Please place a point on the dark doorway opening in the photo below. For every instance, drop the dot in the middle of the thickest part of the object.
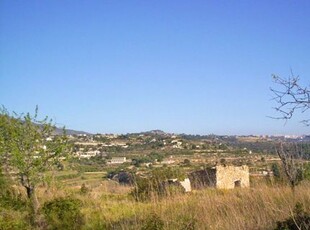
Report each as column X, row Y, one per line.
column 237, row 183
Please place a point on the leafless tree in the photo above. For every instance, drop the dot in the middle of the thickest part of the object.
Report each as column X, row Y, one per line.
column 291, row 97
column 291, row 156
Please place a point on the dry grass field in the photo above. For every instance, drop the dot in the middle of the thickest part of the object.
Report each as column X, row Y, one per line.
column 110, row 206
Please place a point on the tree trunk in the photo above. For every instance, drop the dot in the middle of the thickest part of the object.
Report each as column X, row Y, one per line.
column 34, row 203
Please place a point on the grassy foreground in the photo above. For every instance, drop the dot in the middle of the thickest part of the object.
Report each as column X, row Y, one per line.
column 109, row 206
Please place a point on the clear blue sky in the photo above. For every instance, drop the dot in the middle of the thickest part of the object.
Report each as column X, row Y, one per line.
column 195, row 67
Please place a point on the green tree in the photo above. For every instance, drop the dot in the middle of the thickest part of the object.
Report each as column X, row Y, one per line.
column 28, row 148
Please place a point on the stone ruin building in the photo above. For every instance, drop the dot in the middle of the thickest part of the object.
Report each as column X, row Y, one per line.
column 221, row 177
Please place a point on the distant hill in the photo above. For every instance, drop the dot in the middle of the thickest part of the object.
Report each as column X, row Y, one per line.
column 70, row 131
column 156, row 132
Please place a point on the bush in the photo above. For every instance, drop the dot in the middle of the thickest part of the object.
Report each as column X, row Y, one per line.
column 187, row 162
column 299, row 221
column 306, row 173
column 10, row 197
column 278, row 173
column 63, row 213
column 10, row 219
column 84, row 189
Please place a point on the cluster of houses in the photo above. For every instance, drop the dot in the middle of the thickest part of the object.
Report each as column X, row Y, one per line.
column 91, row 149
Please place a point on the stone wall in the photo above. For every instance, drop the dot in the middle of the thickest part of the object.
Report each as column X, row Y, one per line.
column 203, row 178
column 229, row 177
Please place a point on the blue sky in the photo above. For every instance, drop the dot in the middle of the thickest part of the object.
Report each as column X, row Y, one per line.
column 195, row 67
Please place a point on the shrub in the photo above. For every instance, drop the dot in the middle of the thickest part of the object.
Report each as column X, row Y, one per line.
column 10, row 219
column 9, row 196
column 63, row 213
column 187, row 162
column 12, row 199
column 306, row 173
column 278, row 173
column 299, row 221
column 84, row 189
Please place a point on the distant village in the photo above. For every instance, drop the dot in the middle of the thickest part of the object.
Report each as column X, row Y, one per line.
column 91, row 145
column 216, row 161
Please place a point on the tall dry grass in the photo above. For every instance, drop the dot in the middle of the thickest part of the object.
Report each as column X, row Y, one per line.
column 109, row 206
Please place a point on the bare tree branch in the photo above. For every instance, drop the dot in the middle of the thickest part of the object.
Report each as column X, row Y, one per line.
column 291, row 97
column 291, row 155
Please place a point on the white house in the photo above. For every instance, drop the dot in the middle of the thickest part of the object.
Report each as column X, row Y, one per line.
column 118, row 160
column 89, row 154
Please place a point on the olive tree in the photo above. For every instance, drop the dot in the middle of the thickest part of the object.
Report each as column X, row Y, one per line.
column 29, row 148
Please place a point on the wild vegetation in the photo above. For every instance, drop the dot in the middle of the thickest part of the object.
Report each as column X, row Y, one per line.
column 110, row 206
